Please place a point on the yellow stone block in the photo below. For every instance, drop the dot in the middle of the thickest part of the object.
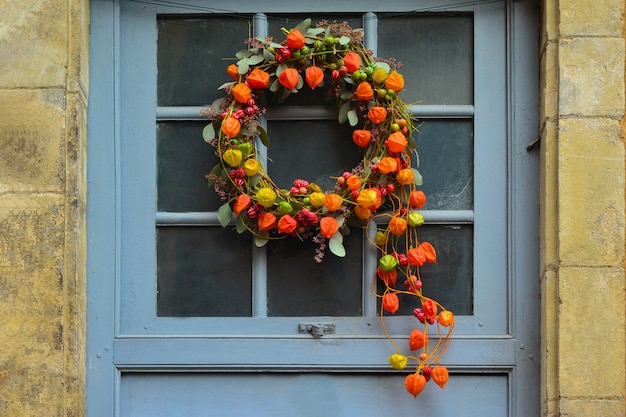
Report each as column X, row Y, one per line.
column 33, row 38
column 591, row 77
column 32, row 127
column 548, row 191
column 587, row 408
column 549, row 82
column 591, row 350
column 591, row 17
column 591, row 192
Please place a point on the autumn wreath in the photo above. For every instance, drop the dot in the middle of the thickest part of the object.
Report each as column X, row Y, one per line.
column 381, row 190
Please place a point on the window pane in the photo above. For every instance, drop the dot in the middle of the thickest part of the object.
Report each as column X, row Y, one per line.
column 203, row 271
column 184, row 160
column 450, row 280
column 438, row 52
column 446, row 162
column 311, row 150
column 191, row 57
column 299, row 286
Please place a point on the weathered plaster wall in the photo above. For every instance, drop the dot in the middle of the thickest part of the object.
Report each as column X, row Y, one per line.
column 582, row 199
column 43, row 96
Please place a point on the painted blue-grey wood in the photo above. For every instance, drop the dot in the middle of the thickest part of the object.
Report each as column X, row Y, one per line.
column 121, row 317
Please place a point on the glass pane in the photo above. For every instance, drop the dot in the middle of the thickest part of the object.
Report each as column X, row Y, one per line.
column 184, row 160
column 450, row 281
column 446, row 162
column 437, row 53
column 312, row 150
column 298, row 286
column 191, row 57
column 203, row 272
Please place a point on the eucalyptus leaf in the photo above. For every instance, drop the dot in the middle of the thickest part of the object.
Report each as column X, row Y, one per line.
column 244, row 53
column 255, row 59
column 343, row 112
column 208, row 133
column 275, row 86
column 384, row 66
column 345, row 95
column 254, row 180
column 349, row 80
column 417, row 177
column 353, row 118
column 221, row 87
column 243, row 66
column 335, row 244
column 300, row 82
column 224, row 214
column 240, row 226
column 268, row 56
column 344, row 40
column 315, row 31
column 304, row 26
column 265, row 139
column 260, row 241
column 275, row 45
column 280, row 68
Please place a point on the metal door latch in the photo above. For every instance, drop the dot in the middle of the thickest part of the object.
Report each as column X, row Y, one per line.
column 317, row 329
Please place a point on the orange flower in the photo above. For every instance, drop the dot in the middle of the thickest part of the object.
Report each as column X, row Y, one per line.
column 352, row 61
column 394, row 81
column 242, row 93
column 362, row 137
column 387, row 164
column 241, row 203
column 430, row 309
column 416, row 256
column 362, row 212
column 414, row 384
column 364, row 91
column 389, row 278
column 354, row 182
column 417, row 199
column 333, row 202
column 258, row 78
column 429, row 251
column 417, row 339
column 440, row 375
column 295, row 39
column 446, row 318
column 287, row 224
column 231, row 127
column 396, row 142
column 314, row 76
column 379, row 197
column 377, row 114
column 266, row 221
column 405, row 176
column 233, row 71
column 367, row 198
column 397, row 226
column 289, row 78
column 328, row 226
column 391, row 303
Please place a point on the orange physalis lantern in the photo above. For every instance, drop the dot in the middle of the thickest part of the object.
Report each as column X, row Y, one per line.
column 396, row 142
column 416, row 256
column 231, row 127
column 266, row 221
column 391, row 302
column 417, row 199
column 352, row 61
column 395, row 81
column 387, row 164
column 388, row 277
column 333, row 202
column 364, row 91
column 430, row 309
column 328, row 226
column 367, row 198
column 417, row 339
column 295, row 39
column 429, row 251
column 397, row 226
column 414, row 384
column 405, row 176
column 242, row 93
column 314, row 76
column 440, row 375
column 287, row 224
column 258, row 78
column 241, row 203
column 362, row 212
column 377, row 114
column 233, row 71
column 446, row 318
column 362, row 137
column 354, row 182
column 289, row 78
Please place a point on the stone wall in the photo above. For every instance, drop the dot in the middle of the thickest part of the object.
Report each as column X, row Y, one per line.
column 43, row 97
column 582, row 200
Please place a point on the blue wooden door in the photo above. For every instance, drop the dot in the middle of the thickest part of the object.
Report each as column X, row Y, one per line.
column 188, row 319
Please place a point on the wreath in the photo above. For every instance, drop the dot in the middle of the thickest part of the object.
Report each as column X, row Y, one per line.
column 380, row 190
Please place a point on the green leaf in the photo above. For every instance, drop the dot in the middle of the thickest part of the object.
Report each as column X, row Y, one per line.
column 304, row 26
column 217, row 169
column 353, row 118
column 345, row 95
column 335, row 244
column 275, row 45
column 417, row 177
column 344, row 40
column 239, row 224
column 261, row 240
column 256, row 59
column 300, row 82
column 315, row 31
column 268, row 56
column 254, row 180
column 208, row 133
column 275, row 86
column 224, row 214
column 343, row 112
column 244, row 53
column 221, row 87
column 384, row 66
column 243, row 66
column 265, row 140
